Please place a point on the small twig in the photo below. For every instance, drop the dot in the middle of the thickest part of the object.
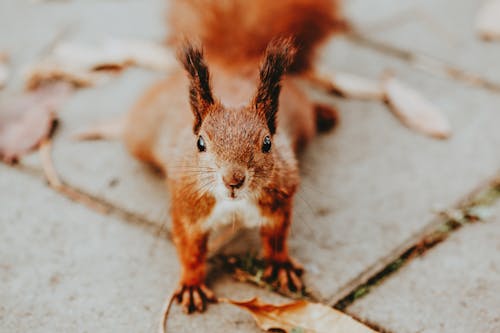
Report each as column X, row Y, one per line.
column 165, row 312
column 56, row 183
column 48, row 165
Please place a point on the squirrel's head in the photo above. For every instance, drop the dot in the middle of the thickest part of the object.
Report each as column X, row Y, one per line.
column 235, row 145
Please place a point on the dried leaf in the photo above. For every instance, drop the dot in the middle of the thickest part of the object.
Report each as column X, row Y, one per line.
column 300, row 316
column 488, row 20
column 145, row 54
column 27, row 119
column 346, row 84
column 353, row 86
column 105, row 130
column 49, row 71
column 414, row 110
column 83, row 65
column 4, row 70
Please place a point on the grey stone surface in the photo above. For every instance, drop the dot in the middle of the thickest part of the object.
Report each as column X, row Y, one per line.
column 104, row 168
column 371, row 185
column 453, row 288
column 91, row 166
column 29, row 27
column 443, row 29
column 368, row 187
column 64, row 268
column 223, row 317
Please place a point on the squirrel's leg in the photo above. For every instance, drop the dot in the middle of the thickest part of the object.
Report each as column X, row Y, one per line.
column 191, row 243
column 281, row 268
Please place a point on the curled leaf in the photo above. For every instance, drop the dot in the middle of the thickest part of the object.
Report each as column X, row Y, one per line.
column 300, row 316
column 488, row 20
column 28, row 119
column 414, row 110
column 353, row 86
column 84, row 65
column 106, row 130
column 347, row 85
column 49, row 71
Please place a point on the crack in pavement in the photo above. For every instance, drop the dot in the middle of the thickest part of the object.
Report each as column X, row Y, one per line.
column 100, row 205
column 425, row 63
column 467, row 212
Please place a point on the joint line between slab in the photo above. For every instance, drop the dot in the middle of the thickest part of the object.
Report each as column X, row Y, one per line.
column 435, row 233
column 102, row 206
column 425, row 63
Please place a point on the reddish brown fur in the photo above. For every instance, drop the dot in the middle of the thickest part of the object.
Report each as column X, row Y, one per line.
column 236, row 32
column 233, row 108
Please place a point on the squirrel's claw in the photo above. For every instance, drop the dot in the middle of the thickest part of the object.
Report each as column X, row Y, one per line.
column 285, row 275
column 194, row 298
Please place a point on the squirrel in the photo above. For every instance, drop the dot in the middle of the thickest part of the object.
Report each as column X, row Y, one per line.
column 226, row 127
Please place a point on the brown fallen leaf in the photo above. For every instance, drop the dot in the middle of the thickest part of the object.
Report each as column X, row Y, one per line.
column 48, row 71
column 4, row 70
column 414, row 110
column 145, row 54
column 488, row 20
column 27, row 119
column 294, row 317
column 84, row 65
column 300, row 316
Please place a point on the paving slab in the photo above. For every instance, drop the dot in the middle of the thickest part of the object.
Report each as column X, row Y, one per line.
column 452, row 288
column 105, row 168
column 37, row 24
column 223, row 317
column 64, row 268
column 443, row 29
column 91, row 22
column 372, row 185
column 368, row 187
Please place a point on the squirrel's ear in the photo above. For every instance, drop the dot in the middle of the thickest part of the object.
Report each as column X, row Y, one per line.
column 278, row 57
column 200, row 92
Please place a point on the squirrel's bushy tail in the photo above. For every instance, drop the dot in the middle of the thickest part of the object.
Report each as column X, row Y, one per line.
column 238, row 31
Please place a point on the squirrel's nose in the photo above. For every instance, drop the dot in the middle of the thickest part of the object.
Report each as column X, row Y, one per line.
column 234, row 180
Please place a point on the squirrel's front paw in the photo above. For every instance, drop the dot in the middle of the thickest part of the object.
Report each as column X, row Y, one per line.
column 194, row 298
column 285, row 275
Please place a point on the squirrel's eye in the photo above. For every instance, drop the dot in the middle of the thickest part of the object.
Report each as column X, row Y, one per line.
column 266, row 145
column 201, row 144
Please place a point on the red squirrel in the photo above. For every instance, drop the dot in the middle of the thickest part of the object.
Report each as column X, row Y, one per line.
column 226, row 127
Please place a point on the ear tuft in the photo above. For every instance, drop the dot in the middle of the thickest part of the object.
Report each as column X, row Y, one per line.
column 201, row 98
column 278, row 57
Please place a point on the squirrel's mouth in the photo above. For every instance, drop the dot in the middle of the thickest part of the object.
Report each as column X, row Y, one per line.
column 236, row 194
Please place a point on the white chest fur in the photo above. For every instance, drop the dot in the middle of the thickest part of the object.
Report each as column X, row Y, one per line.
column 228, row 211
